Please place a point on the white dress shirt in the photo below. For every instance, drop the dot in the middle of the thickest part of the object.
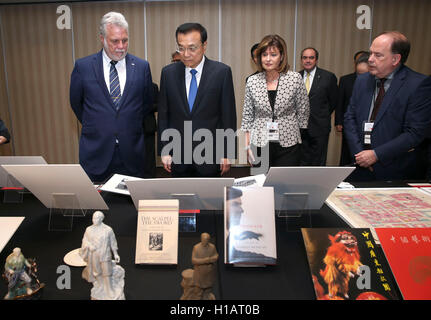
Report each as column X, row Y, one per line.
column 121, row 70
column 188, row 75
column 312, row 73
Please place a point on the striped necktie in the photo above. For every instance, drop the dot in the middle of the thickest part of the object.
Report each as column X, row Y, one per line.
column 114, row 85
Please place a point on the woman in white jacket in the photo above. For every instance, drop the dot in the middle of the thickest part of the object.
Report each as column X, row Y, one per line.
column 276, row 106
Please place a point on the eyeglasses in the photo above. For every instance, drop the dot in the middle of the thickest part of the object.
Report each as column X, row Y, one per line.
column 191, row 49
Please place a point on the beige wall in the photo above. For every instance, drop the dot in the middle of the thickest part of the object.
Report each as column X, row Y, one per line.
column 258, row 19
column 163, row 18
column 413, row 19
column 36, row 58
column 6, row 149
column 330, row 27
column 86, row 18
column 38, row 62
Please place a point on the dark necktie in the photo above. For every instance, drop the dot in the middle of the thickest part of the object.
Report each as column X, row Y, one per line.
column 193, row 89
column 114, row 85
column 379, row 99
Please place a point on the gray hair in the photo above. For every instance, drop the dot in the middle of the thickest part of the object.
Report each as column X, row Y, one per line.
column 113, row 18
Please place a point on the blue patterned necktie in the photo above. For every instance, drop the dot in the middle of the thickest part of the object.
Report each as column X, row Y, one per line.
column 193, row 89
column 114, row 85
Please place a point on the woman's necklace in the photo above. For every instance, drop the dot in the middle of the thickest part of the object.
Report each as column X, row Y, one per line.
column 274, row 80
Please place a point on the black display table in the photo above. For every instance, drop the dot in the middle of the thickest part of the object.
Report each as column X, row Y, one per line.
column 289, row 279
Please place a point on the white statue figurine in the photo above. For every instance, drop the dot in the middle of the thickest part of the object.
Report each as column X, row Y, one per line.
column 107, row 277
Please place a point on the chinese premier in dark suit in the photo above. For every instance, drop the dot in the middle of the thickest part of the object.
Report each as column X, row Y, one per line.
column 196, row 93
column 111, row 93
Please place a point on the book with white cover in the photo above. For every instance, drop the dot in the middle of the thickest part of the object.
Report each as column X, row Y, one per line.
column 157, row 232
column 249, row 218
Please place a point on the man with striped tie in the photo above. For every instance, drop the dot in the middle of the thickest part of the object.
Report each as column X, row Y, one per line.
column 111, row 93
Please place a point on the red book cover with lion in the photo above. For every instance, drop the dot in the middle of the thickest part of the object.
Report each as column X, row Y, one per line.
column 408, row 251
column 346, row 264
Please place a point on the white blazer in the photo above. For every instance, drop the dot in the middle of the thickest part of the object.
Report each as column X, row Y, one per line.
column 291, row 108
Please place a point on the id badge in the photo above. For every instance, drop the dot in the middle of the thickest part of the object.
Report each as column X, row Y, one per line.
column 368, row 128
column 272, row 128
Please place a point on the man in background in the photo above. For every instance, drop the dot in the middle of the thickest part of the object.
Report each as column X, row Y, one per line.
column 254, row 58
column 345, row 89
column 322, row 91
column 175, row 57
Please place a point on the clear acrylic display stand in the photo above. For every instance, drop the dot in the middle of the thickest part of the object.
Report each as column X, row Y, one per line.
column 188, row 202
column 193, row 193
column 295, row 206
column 13, row 191
column 65, row 206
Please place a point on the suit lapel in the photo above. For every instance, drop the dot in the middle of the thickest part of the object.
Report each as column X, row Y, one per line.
column 397, row 82
column 98, row 71
column 130, row 78
column 203, row 84
column 368, row 96
column 315, row 83
column 181, row 85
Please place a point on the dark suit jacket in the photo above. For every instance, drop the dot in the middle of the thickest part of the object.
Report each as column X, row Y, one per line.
column 101, row 123
column 398, row 128
column 423, row 97
column 4, row 131
column 345, row 89
column 150, row 124
column 323, row 100
column 214, row 108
